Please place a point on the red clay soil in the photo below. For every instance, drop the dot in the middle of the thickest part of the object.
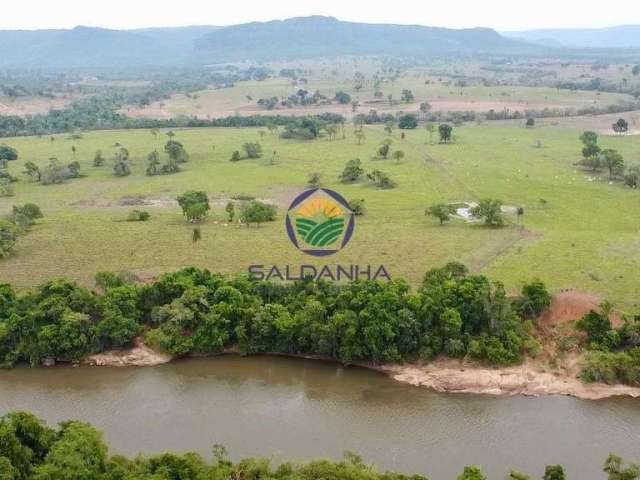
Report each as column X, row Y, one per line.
column 571, row 305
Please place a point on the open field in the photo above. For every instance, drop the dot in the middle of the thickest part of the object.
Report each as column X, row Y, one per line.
column 585, row 237
column 23, row 106
column 440, row 92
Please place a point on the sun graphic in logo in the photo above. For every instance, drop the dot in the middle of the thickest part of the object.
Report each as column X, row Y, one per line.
column 319, row 222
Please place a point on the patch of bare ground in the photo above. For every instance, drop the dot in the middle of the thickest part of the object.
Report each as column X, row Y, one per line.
column 571, row 305
column 139, row 356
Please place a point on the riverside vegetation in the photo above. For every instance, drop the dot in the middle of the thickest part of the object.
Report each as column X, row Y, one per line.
column 193, row 311
column 31, row 450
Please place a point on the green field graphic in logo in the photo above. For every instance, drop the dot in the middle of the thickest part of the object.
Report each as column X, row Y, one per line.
column 319, row 222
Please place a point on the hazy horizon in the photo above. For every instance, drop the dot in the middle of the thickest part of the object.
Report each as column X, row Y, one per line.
column 124, row 15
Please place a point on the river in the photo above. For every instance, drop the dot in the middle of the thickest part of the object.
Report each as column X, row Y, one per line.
column 292, row 409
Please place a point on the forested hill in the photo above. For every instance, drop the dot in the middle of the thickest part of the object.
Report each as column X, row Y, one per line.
column 623, row 36
column 294, row 38
column 325, row 36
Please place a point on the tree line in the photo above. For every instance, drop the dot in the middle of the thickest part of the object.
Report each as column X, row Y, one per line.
column 193, row 311
column 31, row 450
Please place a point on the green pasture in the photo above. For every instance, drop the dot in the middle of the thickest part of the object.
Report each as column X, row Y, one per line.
column 586, row 236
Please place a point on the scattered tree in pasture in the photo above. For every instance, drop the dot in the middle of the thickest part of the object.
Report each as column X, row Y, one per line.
column 98, row 159
column 7, row 154
column 425, row 107
column 153, row 163
column 530, row 123
column 196, row 235
column 73, row 170
column 408, row 121
column 380, row 179
column 383, row 151
column 588, row 137
column 388, row 128
column 591, row 150
column 445, row 130
column 613, row 161
column 397, row 155
column 332, row 130
column 8, row 238
column 176, row 151
column 235, row 156
column 343, row 98
column 32, row 171
column 359, row 134
column 430, row 128
column 632, row 177
column 441, row 211
column 352, row 171
column 272, row 127
column 621, row 126
column 252, row 149
column 194, row 204
column 313, row 180
column 407, row 96
column 53, row 173
column 356, row 205
column 490, row 211
column 170, row 134
column 255, row 211
column 230, row 208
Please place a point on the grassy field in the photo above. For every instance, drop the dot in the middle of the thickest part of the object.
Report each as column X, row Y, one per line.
column 441, row 96
column 585, row 237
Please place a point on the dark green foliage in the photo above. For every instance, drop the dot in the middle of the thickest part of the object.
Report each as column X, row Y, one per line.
column 257, row 212
column 25, row 215
column 343, row 98
column 194, row 311
column 306, row 128
column 441, row 211
column 8, row 237
column 597, row 327
column 489, row 211
column 7, row 153
column 407, row 96
column 534, row 300
column 176, row 151
column 408, row 121
column 554, row 472
column 194, row 204
column 445, row 131
column 252, row 149
column 235, row 156
column 352, row 171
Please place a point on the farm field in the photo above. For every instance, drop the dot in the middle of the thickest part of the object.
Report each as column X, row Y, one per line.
column 585, row 236
column 440, row 93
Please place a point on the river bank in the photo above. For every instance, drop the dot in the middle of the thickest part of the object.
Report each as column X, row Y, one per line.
column 441, row 375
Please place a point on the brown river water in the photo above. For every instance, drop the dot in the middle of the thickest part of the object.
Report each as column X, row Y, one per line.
column 293, row 409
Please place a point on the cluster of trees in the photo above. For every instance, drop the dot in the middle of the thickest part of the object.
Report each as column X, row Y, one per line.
column 7, row 154
column 194, row 311
column 250, row 149
column 488, row 210
column 17, row 222
column 301, row 97
column 176, row 154
column 596, row 158
column 614, row 355
column 353, row 172
column 31, row 450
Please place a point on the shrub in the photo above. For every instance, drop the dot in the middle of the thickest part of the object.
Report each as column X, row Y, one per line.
column 357, row 206
column 352, row 171
column 257, row 212
column 380, row 179
column 252, row 149
column 138, row 216
column 407, row 121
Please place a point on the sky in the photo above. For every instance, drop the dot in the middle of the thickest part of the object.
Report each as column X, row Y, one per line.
column 498, row 14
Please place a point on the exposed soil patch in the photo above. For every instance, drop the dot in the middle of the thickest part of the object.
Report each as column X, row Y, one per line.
column 571, row 305
column 140, row 356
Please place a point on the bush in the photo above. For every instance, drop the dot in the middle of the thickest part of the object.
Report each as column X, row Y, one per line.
column 257, row 212
column 352, row 171
column 407, row 121
column 357, row 206
column 194, row 204
column 252, row 149
column 380, row 179
column 138, row 216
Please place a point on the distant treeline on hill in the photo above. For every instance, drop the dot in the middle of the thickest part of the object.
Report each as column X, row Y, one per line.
column 193, row 311
column 31, row 450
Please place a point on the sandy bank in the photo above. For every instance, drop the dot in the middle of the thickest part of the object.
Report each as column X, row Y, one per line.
column 445, row 375
column 526, row 379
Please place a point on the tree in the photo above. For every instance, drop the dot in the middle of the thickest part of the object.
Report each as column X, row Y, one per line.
column 196, row 235
column 121, row 163
column 397, row 155
column 8, row 237
column 176, row 151
column 53, row 173
column 73, row 170
column 153, row 163
column 313, row 180
column 25, row 215
column 531, row 122
column 590, row 150
column 230, row 208
column 383, row 150
column 613, row 161
column 408, row 121
column 621, row 126
column 535, row 299
column 194, row 204
column 441, row 211
column 588, row 137
column 255, row 211
column 343, row 98
column 98, row 159
column 430, row 128
column 359, row 134
column 472, row 473
column 554, row 472
column 32, row 171
column 380, row 179
column 407, row 96
column 490, row 211
column 252, row 149
column 235, row 156
column 7, row 153
column 388, row 128
column 352, row 171
column 424, row 108
column 632, row 178
column 445, row 130
column 615, row 469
